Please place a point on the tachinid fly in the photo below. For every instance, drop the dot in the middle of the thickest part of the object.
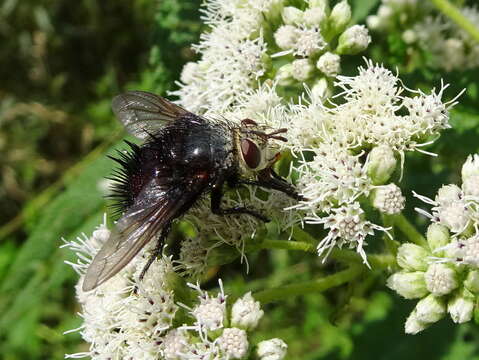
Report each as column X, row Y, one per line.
column 184, row 156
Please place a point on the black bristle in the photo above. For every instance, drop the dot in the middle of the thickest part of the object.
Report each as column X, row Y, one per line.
column 122, row 192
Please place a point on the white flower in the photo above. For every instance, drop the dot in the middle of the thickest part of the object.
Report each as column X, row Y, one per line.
column 329, row 64
column 124, row 316
column 354, row 40
column 234, row 343
column 272, row 349
column 302, row 69
column 246, row 312
column 174, row 344
column 308, row 42
column 210, row 314
column 285, row 37
column 441, row 279
column 389, row 199
column 332, row 177
column 347, row 226
column 450, row 208
column 465, row 251
column 410, row 285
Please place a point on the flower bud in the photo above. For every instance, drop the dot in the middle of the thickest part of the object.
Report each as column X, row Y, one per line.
column 472, row 281
column 354, row 40
column 413, row 325
column 410, row 285
column 234, row 343
column 292, row 15
column 412, row 257
column 314, row 16
column 329, row 64
column 440, row 279
column 470, row 167
column 388, row 199
column 437, row 237
column 321, row 89
column 461, row 307
column 430, row 309
column 302, row 69
column 340, row 16
column 284, row 76
column 272, row 349
column 285, row 37
column 381, row 164
column 246, row 312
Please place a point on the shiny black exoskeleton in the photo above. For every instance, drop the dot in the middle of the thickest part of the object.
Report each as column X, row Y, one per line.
column 184, row 157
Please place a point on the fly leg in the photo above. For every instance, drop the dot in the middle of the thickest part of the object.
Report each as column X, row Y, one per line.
column 157, row 250
column 217, row 195
column 271, row 180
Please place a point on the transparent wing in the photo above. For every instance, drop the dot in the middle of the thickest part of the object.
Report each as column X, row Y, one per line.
column 132, row 232
column 142, row 112
column 154, row 208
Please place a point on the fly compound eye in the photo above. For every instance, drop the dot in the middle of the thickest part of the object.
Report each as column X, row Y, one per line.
column 251, row 153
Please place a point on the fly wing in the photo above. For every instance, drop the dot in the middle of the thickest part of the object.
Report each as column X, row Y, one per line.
column 138, row 226
column 142, row 112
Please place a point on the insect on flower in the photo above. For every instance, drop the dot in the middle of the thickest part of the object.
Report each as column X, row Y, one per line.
column 184, row 156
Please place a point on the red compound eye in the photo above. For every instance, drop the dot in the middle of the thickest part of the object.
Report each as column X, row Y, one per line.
column 251, row 153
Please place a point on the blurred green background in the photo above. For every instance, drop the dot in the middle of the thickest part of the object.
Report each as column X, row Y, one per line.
column 60, row 65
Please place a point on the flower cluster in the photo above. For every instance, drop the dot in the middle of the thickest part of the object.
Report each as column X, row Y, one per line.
column 354, row 151
column 444, row 274
column 251, row 42
column 425, row 32
column 142, row 319
column 277, row 64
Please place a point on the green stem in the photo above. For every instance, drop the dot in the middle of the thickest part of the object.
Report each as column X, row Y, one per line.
column 306, row 287
column 409, row 230
column 455, row 15
column 347, row 256
column 391, row 244
column 289, row 245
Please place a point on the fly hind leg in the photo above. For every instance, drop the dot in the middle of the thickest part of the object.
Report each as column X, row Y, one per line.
column 157, row 250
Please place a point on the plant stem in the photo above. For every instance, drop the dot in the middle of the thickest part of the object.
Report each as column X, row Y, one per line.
column 313, row 286
column 391, row 244
column 347, row 256
column 455, row 15
column 409, row 230
column 289, row 245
